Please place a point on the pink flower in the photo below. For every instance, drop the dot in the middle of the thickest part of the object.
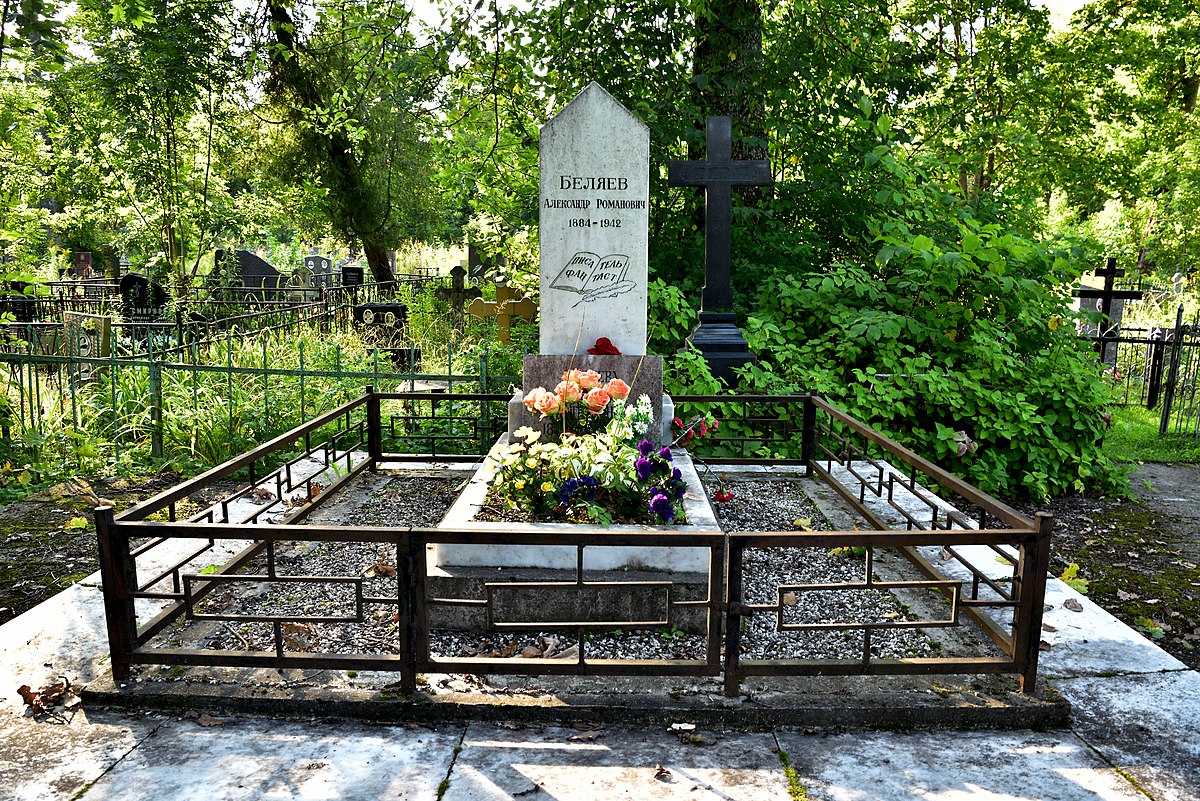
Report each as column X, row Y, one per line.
column 547, row 403
column 596, row 400
column 569, row 391
column 618, row 389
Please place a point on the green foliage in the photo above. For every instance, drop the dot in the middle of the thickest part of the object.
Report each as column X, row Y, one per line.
column 953, row 340
column 1070, row 576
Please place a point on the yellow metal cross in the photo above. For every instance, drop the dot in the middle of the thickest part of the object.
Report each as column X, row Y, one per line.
column 509, row 303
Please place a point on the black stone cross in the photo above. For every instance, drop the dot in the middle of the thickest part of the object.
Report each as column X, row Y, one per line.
column 1107, row 295
column 457, row 294
column 717, row 336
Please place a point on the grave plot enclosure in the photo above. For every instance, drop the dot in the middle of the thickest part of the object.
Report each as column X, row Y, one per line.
column 213, row 588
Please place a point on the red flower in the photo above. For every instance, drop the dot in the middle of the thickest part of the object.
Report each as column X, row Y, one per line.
column 723, row 496
column 604, row 347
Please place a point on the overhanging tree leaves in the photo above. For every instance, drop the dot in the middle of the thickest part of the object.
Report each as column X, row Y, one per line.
column 351, row 91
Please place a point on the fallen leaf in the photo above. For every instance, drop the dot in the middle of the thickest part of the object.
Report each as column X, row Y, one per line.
column 789, row 599
column 1127, row 596
column 587, row 736
column 1043, row 646
column 662, row 774
column 1048, row 627
column 1073, row 604
column 379, row 569
column 208, row 720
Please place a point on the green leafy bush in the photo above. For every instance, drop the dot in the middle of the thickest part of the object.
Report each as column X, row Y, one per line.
column 956, row 340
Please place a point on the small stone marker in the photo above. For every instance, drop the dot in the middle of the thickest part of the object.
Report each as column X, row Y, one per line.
column 142, row 300
column 457, row 294
column 717, row 335
column 509, row 303
column 594, row 217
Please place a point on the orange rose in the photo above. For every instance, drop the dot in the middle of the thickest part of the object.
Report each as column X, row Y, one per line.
column 618, row 389
column 530, row 400
column 596, row 400
column 569, row 391
column 589, row 379
column 548, row 403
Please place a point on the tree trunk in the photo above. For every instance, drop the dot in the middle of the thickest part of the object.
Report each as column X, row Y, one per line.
column 728, row 63
column 377, row 260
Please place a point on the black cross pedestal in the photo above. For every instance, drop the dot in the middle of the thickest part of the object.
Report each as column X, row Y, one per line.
column 717, row 336
column 1105, row 334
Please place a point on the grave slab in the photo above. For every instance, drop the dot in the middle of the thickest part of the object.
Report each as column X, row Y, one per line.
column 498, row 763
column 1147, row 725
column 563, row 557
column 1054, row 766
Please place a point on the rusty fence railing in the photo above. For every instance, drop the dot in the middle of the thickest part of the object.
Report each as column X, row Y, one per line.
column 238, row 586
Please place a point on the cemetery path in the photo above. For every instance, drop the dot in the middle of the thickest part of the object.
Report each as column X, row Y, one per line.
column 1140, row 558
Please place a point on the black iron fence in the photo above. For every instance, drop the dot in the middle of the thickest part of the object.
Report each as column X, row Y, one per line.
column 154, row 587
column 1157, row 368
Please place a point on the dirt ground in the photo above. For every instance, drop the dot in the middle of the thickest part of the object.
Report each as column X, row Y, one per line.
column 1140, row 559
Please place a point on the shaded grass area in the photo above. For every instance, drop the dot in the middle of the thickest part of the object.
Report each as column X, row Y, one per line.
column 1134, row 437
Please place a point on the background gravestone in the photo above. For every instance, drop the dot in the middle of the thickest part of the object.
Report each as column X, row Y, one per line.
column 478, row 265
column 83, row 264
column 594, row 216
column 257, row 273
column 88, row 336
column 142, row 300
column 352, row 275
column 321, row 269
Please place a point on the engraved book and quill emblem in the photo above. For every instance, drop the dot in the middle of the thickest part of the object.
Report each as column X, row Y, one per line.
column 594, row 276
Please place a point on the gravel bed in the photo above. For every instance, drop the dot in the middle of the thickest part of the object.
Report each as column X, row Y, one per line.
column 775, row 504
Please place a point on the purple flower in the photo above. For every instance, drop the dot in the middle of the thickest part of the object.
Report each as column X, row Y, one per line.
column 676, row 475
column 644, row 468
column 645, row 447
column 661, row 505
column 665, row 453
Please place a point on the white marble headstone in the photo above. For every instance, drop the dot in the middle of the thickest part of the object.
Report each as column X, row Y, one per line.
column 594, row 207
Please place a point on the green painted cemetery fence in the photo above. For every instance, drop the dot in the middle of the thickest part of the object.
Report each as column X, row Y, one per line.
column 145, row 604
column 177, row 404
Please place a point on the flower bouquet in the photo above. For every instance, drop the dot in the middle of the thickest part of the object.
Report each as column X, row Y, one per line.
column 600, row 477
column 581, row 401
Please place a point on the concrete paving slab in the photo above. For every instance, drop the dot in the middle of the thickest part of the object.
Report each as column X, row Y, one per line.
column 53, row 761
column 953, row 766
column 252, row 758
column 64, row 635
column 1148, row 726
column 1093, row 642
column 570, row 765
